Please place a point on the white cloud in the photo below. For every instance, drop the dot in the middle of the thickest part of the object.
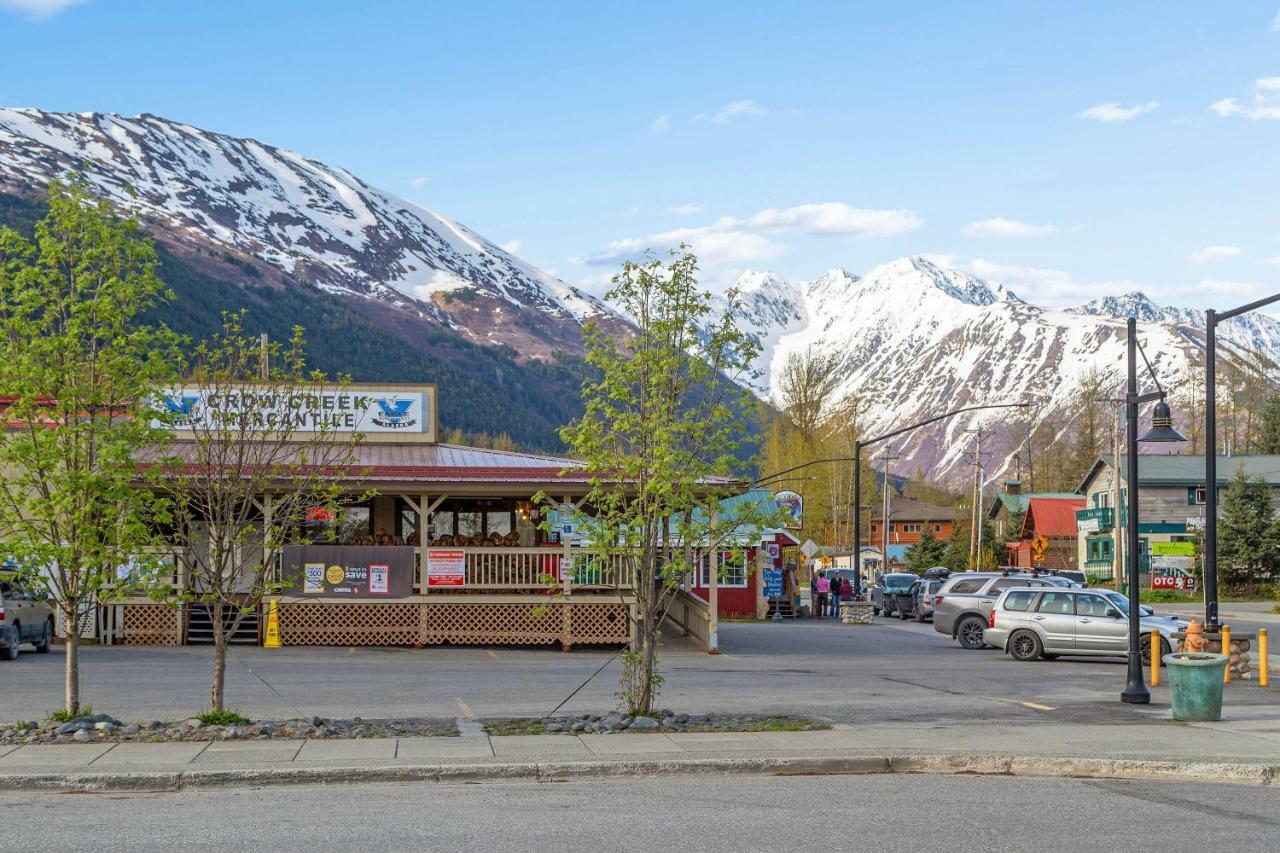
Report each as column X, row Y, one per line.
column 1209, row 254
column 1112, row 111
column 1265, row 103
column 732, row 239
column 660, row 124
column 685, row 209
column 418, row 182
column 738, row 109
column 511, row 246
column 1270, row 262
column 1001, row 227
column 39, row 10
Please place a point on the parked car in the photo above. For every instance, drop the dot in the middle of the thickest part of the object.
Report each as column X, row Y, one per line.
column 1034, row 623
column 24, row 618
column 962, row 606
column 922, row 596
column 891, row 594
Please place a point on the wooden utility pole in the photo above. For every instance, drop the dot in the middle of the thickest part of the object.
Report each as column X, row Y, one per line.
column 886, row 486
column 975, row 511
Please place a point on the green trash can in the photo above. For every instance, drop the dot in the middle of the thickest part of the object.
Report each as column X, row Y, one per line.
column 1195, row 681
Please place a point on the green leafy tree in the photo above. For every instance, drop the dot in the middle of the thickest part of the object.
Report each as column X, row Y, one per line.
column 1268, row 428
column 658, row 432
column 78, row 374
column 926, row 553
column 271, row 478
column 1247, row 532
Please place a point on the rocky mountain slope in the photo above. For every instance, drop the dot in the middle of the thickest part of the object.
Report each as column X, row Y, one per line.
column 916, row 339
column 223, row 203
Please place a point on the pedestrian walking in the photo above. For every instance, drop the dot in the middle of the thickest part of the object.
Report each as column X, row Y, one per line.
column 813, row 595
column 824, row 589
column 835, row 595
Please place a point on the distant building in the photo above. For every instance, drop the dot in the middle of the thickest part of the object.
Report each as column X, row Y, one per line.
column 908, row 520
column 1006, row 511
column 1047, row 539
column 1171, row 501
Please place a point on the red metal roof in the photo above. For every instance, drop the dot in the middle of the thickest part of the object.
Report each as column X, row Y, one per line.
column 1051, row 517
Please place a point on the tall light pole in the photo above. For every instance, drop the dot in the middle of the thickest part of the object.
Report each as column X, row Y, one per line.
column 1211, row 320
column 1135, row 689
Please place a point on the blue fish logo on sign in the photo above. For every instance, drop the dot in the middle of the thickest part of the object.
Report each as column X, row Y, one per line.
column 393, row 413
column 180, row 410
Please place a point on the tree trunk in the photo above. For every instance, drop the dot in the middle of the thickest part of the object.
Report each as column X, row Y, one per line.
column 218, row 689
column 73, row 667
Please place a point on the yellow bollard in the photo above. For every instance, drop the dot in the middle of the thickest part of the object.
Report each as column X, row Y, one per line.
column 1155, row 658
column 1263, row 678
column 272, row 638
column 1226, row 650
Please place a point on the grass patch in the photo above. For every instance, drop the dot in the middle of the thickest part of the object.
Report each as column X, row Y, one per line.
column 222, row 718
column 786, row 724
column 64, row 716
column 515, row 726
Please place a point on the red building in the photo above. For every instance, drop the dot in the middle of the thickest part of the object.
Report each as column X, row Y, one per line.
column 1048, row 536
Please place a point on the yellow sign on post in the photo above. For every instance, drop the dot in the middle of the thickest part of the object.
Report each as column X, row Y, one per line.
column 272, row 638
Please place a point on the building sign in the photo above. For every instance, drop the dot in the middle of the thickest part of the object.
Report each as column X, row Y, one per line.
column 400, row 409
column 1173, row 549
column 1088, row 525
column 791, row 503
column 772, row 583
column 349, row 571
column 446, row 567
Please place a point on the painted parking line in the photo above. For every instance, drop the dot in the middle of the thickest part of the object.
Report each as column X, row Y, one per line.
column 1035, row 706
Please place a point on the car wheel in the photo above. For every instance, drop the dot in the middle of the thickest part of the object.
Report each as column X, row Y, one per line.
column 875, row 611
column 10, row 652
column 1144, row 648
column 46, row 639
column 1025, row 645
column 969, row 632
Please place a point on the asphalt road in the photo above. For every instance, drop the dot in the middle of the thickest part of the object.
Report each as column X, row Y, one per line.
column 889, row 672
column 881, row 813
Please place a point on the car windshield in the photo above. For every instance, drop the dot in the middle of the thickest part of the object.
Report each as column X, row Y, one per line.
column 899, row 583
column 1118, row 601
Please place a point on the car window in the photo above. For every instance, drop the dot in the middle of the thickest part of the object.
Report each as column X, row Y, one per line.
column 1020, row 600
column 968, row 585
column 1056, row 602
column 935, row 586
column 1091, row 605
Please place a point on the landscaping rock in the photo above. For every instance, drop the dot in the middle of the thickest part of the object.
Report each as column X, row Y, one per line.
column 644, row 724
column 82, row 736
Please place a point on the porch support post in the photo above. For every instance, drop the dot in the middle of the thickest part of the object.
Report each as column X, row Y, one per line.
column 267, row 515
column 713, row 591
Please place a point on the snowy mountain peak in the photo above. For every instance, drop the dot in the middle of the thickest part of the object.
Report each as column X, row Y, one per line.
column 919, row 274
column 1135, row 303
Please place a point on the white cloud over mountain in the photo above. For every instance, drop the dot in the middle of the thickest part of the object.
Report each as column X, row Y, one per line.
column 1265, row 103
column 1001, row 227
column 1112, row 111
column 1210, row 254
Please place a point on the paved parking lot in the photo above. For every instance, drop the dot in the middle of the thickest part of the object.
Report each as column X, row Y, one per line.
column 891, row 672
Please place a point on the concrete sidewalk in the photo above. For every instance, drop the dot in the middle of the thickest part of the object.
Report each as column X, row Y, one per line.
column 1241, row 750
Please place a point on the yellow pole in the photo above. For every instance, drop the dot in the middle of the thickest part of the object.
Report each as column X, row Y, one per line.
column 1226, row 650
column 1263, row 678
column 1155, row 658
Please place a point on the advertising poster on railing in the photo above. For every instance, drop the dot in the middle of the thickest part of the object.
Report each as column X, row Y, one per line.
column 349, row 571
column 446, row 567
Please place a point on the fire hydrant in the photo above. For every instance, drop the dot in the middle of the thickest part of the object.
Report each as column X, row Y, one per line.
column 1195, row 641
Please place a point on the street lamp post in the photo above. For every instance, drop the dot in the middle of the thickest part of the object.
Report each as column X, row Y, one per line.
column 1211, row 320
column 1135, row 689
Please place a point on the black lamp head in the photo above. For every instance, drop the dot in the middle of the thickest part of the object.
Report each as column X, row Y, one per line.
column 1161, row 425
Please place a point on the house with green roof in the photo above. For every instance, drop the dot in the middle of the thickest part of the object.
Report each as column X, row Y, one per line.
column 1009, row 507
column 1171, row 501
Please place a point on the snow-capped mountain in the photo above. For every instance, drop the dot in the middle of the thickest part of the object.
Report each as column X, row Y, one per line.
column 297, row 219
column 917, row 339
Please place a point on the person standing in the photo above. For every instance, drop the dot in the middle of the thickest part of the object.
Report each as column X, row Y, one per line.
column 824, row 588
column 835, row 595
column 813, row 595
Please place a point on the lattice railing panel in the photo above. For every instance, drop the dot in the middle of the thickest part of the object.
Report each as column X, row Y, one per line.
column 149, row 625
column 515, row 624
column 599, row 623
column 349, row 624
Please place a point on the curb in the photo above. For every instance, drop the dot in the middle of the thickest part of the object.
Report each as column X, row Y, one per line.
column 567, row 771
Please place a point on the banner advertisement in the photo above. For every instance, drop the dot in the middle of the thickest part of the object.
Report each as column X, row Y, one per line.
column 349, row 571
column 446, row 567
column 365, row 409
column 792, row 503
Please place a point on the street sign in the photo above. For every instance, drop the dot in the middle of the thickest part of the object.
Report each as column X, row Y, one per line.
column 809, row 548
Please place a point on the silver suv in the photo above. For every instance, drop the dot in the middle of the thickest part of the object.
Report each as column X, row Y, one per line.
column 1036, row 623
column 961, row 607
column 24, row 618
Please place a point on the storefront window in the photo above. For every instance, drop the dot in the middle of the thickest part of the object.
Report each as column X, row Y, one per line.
column 470, row 524
column 441, row 524
column 498, row 522
column 352, row 523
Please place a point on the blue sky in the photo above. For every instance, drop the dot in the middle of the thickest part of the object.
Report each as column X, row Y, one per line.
column 1066, row 149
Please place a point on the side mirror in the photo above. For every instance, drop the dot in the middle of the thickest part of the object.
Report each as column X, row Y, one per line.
column 1113, row 613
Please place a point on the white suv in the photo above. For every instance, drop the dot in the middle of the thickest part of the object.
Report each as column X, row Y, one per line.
column 23, row 619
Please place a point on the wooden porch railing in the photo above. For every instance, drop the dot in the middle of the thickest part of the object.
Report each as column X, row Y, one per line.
column 527, row 568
